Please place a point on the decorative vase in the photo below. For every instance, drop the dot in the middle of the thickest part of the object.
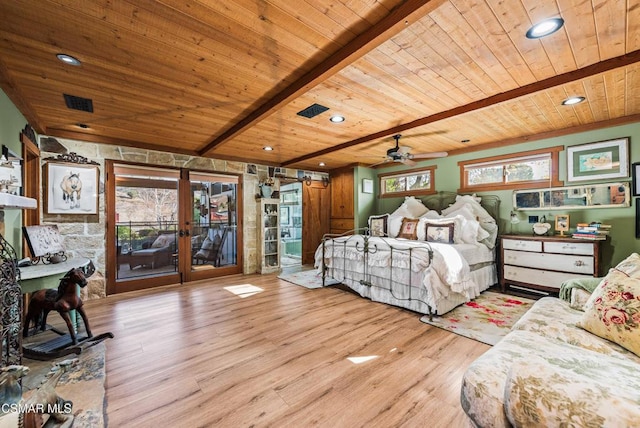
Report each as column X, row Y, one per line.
column 266, row 191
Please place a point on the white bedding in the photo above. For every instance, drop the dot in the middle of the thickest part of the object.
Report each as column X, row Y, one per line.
column 407, row 275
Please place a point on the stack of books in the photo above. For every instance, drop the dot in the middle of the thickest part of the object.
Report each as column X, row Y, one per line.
column 594, row 231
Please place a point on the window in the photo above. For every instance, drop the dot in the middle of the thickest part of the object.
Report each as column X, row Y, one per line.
column 412, row 182
column 519, row 170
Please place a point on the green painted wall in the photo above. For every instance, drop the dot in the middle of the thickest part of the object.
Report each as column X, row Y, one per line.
column 622, row 239
column 365, row 203
column 11, row 124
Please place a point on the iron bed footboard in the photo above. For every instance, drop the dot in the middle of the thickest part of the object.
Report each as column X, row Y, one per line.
column 367, row 248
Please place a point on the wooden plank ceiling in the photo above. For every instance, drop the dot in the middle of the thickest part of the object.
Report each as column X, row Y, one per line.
column 224, row 79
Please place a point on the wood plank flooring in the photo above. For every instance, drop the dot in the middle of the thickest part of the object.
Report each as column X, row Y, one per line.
column 198, row 355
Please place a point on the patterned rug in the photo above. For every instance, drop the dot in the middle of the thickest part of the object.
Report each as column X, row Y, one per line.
column 487, row 318
column 307, row 278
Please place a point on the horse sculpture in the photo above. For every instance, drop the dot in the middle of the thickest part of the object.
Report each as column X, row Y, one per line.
column 71, row 186
column 62, row 300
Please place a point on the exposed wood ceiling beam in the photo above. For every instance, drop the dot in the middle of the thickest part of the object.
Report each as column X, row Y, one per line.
column 561, row 79
column 387, row 27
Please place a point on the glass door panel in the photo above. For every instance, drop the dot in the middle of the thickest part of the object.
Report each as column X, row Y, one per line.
column 146, row 223
column 213, row 225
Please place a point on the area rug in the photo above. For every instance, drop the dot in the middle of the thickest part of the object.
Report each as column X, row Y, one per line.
column 83, row 384
column 487, row 318
column 307, row 278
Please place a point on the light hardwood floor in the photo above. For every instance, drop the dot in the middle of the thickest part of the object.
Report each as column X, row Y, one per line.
column 198, row 355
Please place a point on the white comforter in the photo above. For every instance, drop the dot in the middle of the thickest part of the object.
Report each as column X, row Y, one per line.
column 447, row 273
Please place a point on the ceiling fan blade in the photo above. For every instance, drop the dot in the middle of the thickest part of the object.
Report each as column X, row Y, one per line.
column 380, row 163
column 407, row 162
column 429, row 155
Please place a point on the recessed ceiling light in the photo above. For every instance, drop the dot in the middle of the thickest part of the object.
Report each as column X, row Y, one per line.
column 267, row 148
column 68, row 59
column 464, row 141
column 322, row 164
column 572, row 100
column 544, row 28
column 82, row 125
column 337, row 118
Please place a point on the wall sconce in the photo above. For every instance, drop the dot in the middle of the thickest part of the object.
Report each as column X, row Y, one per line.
column 514, row 218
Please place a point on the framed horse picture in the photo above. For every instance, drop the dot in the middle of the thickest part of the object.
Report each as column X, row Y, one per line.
column 70, row 188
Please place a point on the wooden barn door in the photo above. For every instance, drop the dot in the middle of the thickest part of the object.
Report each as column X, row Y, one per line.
column 316, row 215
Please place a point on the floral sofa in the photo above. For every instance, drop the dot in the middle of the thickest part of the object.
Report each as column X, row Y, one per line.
column 562, row 364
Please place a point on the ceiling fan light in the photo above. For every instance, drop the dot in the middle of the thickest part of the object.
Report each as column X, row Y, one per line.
column 545, row 28
column 68, row 59
column 337, row 118
column 572, row 100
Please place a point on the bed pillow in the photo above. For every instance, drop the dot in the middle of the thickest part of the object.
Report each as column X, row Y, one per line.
column 613, row 310
column 378, row 225
column 439, row 232
column 409, row 228
column 630, row 266
column 394, row 224
column 472, row 232
column 414, row 206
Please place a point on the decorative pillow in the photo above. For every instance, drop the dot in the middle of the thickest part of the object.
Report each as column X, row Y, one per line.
column 209, row 247
column 402, row 211
column 630, row 266
column 457, row 222
column 378, row 225
column 613, row 310
column 414, row 206
column 163, row 241
column 442, row 232
column 409, row 228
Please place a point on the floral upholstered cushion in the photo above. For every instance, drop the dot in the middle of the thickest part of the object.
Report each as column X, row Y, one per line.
column 588, row 390
column 630, row 266
column 554, row 318
column 613, row 310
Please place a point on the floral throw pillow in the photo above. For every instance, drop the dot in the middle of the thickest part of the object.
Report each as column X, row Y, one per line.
column 613, row 311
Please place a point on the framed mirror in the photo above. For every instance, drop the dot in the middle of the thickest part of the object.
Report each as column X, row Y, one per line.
column 603, row 195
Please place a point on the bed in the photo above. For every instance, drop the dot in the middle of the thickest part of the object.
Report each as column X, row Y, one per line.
column 449, row 259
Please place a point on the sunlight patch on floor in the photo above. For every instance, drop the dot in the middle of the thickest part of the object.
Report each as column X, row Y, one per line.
column 244, row 290
column 360, row 360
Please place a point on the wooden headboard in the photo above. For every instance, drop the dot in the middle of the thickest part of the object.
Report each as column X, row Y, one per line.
column 443, row 199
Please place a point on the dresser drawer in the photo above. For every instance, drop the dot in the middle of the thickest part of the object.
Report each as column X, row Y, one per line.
column 582, row 248
column 559, row 262
column 542, row 278
column 522, row 245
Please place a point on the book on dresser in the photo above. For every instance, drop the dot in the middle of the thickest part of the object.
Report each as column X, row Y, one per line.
column 593, row 231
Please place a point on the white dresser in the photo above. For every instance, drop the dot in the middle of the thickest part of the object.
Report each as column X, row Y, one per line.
column 545, row 262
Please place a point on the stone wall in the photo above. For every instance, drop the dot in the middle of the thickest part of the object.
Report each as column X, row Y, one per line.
column 85, row 236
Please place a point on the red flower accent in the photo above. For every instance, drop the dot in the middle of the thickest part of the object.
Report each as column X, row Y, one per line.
column 473, row 305
column 491, row 311
column 454, row 320
column 614, row 316
column 627, row 296
column 514, row 302
column 496, row 322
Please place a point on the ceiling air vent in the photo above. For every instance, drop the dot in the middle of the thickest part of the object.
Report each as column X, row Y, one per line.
column 313, row 110
column 78, row 103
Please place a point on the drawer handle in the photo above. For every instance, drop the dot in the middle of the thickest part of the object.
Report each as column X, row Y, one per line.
column 578, row 263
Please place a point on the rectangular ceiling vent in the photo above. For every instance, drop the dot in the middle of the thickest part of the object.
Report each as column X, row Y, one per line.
column 313, row 110
column 78, row 103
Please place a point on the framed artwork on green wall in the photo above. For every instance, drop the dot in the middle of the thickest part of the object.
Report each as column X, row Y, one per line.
column 598, row 161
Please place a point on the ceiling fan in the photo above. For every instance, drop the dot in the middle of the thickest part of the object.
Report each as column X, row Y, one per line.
column 401, row 154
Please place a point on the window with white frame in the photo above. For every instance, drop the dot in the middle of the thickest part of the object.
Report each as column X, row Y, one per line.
column 517, row 170
column 413, row 182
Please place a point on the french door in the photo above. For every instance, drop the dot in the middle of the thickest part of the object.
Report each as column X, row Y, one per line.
column 169, row 225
